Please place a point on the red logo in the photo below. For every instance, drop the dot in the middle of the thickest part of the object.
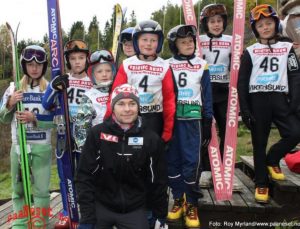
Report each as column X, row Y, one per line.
column 102, row 99
column 108, row 137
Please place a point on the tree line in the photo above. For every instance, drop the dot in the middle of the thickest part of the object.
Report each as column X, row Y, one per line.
column 168, row 16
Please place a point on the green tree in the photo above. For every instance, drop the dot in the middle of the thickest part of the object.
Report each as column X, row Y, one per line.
column 5, row 53
column 132, row 20
column 77, row 31
column 94, row 35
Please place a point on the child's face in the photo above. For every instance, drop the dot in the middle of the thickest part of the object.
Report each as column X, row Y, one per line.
column 148, row 43
column 185, row 46
column 215, row 25
column 77, row 61
column 103, row 73
column 128, row 48
column 265, row 27
column 34, row 69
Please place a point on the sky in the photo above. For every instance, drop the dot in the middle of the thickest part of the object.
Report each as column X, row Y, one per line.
column 32, row 14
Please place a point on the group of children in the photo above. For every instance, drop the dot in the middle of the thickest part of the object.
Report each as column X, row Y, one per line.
column 178, row 98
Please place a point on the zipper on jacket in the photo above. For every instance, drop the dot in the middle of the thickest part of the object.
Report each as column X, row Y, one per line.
column 121, row 179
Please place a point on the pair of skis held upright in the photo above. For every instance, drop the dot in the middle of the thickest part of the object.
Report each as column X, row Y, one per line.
column 21, row 130
column 62, row 113
column 223, row 172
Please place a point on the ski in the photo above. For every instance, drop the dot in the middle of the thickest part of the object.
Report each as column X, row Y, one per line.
column 229, row 156
column 62, row 120
column 117, row 30
column 223, row 172
column 21, row 130
column 190, row 19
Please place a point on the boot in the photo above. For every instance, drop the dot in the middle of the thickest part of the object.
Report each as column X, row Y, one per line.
column 191, row 218
column 176, row 211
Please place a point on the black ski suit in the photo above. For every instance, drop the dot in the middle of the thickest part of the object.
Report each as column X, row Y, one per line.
column 260, row 109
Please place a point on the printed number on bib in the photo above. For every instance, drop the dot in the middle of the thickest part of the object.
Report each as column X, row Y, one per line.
column 79, row 94
column 144, row 83
column 270, row 63
column 182, row 79
column 34, row 110
column 217, row 55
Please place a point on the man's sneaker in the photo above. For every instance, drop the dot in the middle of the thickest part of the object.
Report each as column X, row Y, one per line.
column 276, row 173
column 63, row 223
column 262, row 195
column 176, row 211
column 191, row 217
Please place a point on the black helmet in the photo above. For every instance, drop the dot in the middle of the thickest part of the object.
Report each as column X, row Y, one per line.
column 148, row 26
column 210, row 11
column 75, row 46
column 180, row 31
column 36, row 53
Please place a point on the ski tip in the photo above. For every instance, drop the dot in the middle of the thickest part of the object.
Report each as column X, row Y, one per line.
column 8, row 26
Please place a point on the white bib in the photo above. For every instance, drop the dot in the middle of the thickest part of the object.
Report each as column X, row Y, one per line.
column 99, row 100
column 188, row 80
column 147, row 77
column 219, row 58
column 269, row 72
column 76, row 90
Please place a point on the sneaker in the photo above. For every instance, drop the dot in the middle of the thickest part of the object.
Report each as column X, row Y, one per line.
column 262, row 195
column 176, row 211
column 276, row 173
column 191, row 217
column 63, row 223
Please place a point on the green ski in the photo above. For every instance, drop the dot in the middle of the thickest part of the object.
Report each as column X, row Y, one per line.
column 21, row 131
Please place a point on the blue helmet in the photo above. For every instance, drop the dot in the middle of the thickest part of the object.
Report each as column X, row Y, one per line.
column 126, row 35
column 147, row 26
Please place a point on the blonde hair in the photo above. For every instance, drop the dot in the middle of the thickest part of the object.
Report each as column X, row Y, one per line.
column 25, row 82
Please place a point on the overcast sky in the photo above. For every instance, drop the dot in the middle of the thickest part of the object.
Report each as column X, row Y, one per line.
column 33, row 13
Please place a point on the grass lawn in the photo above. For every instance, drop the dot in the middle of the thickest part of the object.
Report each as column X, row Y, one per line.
column 244, row 147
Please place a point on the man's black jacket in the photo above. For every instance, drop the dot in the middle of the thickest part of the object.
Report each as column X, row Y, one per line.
column 121, row 170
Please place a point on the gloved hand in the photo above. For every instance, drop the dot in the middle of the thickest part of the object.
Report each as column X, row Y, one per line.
column 248, row 119
column 161, row 224
column 206, row 131
column 86, row 226
column 60, row 82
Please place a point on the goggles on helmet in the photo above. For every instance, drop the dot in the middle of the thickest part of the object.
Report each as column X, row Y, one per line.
column 186, row 31
column 30, row 54
column 75, row 44
column 215, row 9
column 101, row 56
column 264, row 9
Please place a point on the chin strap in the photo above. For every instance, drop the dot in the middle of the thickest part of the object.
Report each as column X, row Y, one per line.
column 270, row 41
column 30, row 81
column 185, row 57
column 146, row 56
column 211, row 36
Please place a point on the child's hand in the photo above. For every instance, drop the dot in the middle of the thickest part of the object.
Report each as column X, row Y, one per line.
column 25, row 116
column 14, row 99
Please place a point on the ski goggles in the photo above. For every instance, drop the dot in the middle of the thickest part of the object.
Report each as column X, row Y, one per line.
column 186, row 31
column 101, row 56
column 30, row 54
column 216, row 9
column 264, row 9
column 75, row 45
